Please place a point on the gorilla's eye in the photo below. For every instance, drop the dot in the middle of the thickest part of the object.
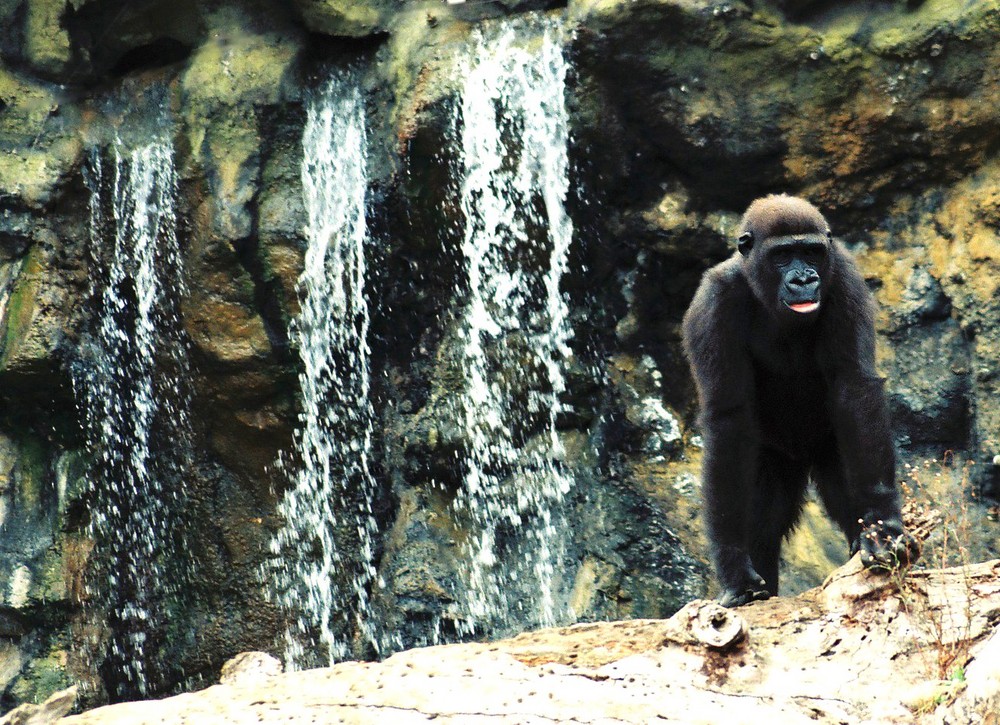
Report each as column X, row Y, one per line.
column 782, row 257
column 805, row 253
column 816, row 253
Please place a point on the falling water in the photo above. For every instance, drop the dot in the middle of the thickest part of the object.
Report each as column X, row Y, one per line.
column 514, row 170
column 136, row 404
column 329, row 530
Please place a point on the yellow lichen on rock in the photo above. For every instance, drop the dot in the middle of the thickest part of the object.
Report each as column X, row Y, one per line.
column 47, row 43
column 237, row 65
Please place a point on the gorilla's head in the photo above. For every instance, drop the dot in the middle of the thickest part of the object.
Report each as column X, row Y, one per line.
column 785, row 243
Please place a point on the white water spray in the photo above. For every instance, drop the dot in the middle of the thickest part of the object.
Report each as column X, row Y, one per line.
column 136, row 403
column 514, row 168
column 325, row 552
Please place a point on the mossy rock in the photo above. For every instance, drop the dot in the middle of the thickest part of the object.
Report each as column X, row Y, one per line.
column 349, row 18
column 42, row 677
column 237, row 66
column 39, row 147
column 17, row 347
column 47, row 44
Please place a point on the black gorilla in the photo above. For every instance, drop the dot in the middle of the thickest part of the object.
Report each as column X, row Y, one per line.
column 781, row 340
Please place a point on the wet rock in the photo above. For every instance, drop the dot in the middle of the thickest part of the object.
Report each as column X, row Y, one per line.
column 231, row 78
column 930, row 386
column 653, row 428
column 50, row 711
column 47, row 43
column 40, row 145
column 346, row 18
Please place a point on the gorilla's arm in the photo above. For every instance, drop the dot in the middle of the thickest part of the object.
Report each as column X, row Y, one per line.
column 715, row 329
column 861, row 423
column 864, row 440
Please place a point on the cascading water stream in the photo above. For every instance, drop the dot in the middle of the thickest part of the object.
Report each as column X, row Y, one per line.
column 136, row 406
column 513, row 137
column 324, row 554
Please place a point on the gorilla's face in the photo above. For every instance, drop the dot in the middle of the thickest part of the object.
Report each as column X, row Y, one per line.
column 787, row 274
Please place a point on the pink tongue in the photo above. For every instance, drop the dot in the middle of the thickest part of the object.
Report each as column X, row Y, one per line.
column 804, row 306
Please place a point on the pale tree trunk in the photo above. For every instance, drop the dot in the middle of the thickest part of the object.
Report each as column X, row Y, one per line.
column 864, row 647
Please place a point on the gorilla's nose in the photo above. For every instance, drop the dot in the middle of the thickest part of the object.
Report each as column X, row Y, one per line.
column 802, row 283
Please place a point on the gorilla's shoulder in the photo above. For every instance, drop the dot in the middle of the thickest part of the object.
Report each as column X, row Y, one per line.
column 727, row 271
column 722, row 296
column 726, row 277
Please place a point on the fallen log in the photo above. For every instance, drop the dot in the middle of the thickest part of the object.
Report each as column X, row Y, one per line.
column 866, row 646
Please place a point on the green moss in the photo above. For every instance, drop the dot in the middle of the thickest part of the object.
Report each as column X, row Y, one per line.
column 20, row 307
column 42, row 678
column 342, row 17
column 49, row 585
column 30, row 175
column 27, row 107
column 34, row 150
column 237, row 66
column 30, row 474
column 904, row 34
column 46, row 42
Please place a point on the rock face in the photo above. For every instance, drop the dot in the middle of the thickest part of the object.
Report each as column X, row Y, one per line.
column 680, row 113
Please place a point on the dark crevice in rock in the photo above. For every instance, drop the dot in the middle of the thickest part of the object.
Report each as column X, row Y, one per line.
column 818, row 13
column 114, row 38
column 159, row 53
column 266, row 294
column 336, row 50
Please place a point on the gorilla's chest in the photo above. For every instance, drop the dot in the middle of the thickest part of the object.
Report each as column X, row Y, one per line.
column 791, row 400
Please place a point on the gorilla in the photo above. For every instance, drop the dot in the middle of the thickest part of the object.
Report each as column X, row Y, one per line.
column 780, row 338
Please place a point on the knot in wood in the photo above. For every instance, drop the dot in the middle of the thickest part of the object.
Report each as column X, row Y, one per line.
column 712, row 625
column 248, row 668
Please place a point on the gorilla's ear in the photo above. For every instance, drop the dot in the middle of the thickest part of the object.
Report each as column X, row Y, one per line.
column 745, row 243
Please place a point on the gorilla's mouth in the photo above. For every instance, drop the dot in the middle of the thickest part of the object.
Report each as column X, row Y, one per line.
column 803, row 307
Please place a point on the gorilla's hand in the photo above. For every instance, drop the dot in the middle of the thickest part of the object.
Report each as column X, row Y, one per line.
column 885, row 545
column 748, row 586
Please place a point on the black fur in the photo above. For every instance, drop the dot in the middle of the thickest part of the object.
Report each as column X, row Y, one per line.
column 787, row 396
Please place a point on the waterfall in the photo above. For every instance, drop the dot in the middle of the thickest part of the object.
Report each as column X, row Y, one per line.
column 136, row 404
column 512, row 133
column 325, row 551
